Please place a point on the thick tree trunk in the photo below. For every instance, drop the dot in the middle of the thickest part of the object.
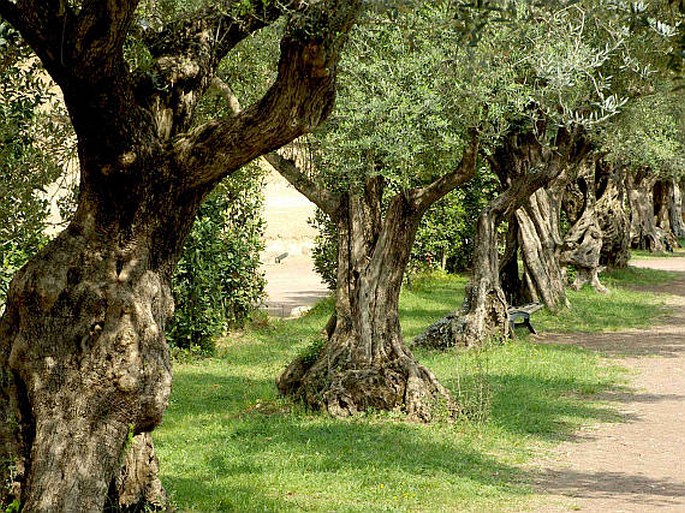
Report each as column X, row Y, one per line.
column 611, row 215
column 643, row 230
column 540, row 242
column 365, row 363
column 582, row 244
column 675, row 210
column 84, row 352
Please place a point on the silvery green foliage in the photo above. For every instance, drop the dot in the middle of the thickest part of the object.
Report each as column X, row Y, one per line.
column 650, row 133
column 414, row 80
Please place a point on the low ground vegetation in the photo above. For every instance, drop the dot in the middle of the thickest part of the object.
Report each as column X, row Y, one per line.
column 229, row 442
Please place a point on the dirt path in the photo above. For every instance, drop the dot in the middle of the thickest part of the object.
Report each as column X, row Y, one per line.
column 292, row 285
column 636, row 466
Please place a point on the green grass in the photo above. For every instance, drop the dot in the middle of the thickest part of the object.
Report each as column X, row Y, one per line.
column 623, row 307
column 645, row 254
column 229, row 443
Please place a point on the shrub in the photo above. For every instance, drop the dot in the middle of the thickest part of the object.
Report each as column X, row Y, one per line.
column 217, row 283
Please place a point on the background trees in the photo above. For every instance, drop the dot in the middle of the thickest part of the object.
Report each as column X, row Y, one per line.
column 571, row 69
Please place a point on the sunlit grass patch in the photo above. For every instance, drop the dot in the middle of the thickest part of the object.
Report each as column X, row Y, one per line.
column 230, row 443
column 622, row 307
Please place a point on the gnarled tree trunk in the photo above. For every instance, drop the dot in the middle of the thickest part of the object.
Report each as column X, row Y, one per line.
column 84, row 366
column 365, row 363
column 540, row 242
column 611, row 215
column 675, row 210
column 667, row 211
column 83, row 340
column 583, row 242
column 643, row 230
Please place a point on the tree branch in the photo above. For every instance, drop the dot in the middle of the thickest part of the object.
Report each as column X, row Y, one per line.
column 326, row 200
column 187, row 53
column 422, row 198
column 42, row 25
column 288, row 168
column 300, row 99
column 99, row 35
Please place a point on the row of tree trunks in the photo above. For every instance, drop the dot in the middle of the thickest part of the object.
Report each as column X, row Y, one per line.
column 524, row 166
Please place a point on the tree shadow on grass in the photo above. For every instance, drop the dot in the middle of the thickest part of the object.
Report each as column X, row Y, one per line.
column 667, row 342
column 223, row 439
column 254, row 462
column 249, row 442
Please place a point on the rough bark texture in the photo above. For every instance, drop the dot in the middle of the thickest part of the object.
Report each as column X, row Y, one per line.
column 643, row 230
column 675, row 210
column 611, row 215
column 365, row 363
column 83, row 358
column 667, row 213
column 523, row 165
column 137, row 486
column 582, row 244
column 541, row 243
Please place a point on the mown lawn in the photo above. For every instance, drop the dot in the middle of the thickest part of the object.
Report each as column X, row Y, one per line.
column 229, row 443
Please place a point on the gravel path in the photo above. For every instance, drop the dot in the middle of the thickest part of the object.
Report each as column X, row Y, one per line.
column 638, row 465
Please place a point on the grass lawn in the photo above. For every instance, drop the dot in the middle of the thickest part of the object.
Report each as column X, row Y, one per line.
column 229, row 443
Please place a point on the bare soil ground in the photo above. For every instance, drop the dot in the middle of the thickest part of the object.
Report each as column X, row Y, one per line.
column 636, row 465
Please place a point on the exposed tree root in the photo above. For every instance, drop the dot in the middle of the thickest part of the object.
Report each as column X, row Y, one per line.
column 401, row 385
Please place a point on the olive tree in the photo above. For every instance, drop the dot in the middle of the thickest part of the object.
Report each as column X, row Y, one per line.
column 84, row 363
column 396, row 144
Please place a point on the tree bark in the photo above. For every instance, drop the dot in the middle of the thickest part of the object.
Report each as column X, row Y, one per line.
column 643, row 229
column 667, row 211
column 84, row 366
column 365, row 363
column 611, row 215
column 675, row 210
column 582, row 244
column 540, row 242
column 84, row 346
